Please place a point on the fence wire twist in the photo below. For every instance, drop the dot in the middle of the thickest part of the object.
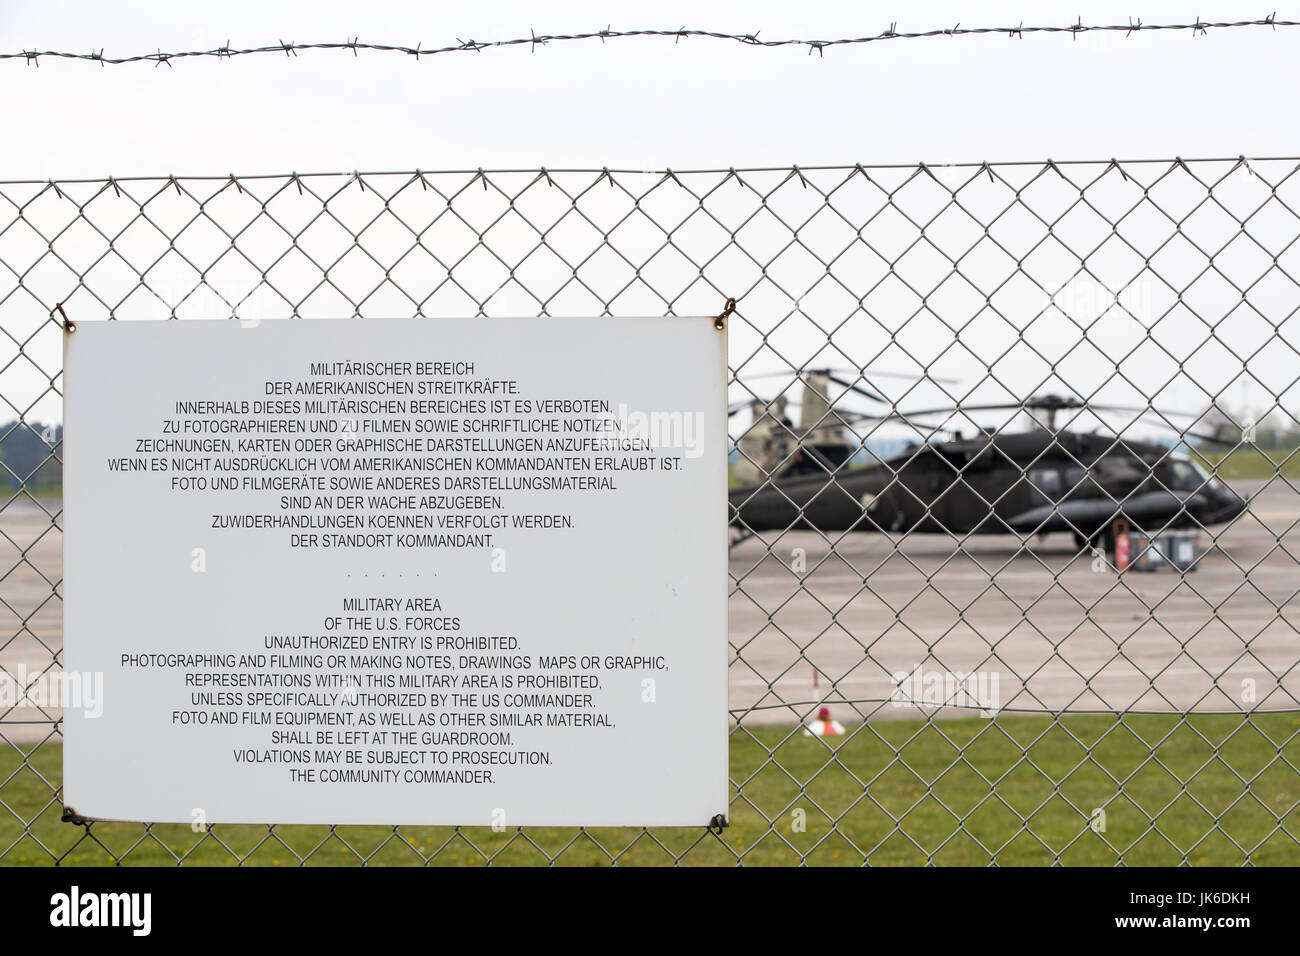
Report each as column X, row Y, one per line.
column 1005, row 697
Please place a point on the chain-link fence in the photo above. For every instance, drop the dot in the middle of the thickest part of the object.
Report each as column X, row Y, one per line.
column 1013, row 476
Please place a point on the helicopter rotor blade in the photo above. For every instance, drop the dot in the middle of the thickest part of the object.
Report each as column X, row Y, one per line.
column 1212, row 439
column 1056, row 404
column 1185, row 433
column 881, row 373
column 998, row 406
column 1053, row 403
column 853, row 387
column 1162, row 415
column 1045, row 402
column 848, row 419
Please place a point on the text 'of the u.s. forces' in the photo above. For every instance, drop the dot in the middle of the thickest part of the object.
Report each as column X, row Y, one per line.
column 397, row 571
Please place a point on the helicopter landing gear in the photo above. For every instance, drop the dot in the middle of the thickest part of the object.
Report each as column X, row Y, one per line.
column 1103, row 541
column 741, row 537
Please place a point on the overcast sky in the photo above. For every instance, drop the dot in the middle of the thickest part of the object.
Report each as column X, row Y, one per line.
column 632, row 103
column 635, row 103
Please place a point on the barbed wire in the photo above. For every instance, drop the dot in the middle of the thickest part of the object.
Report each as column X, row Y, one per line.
column 534, row 40
column 361, row 176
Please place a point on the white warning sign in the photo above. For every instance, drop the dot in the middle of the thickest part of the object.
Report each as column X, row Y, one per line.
column 465, row 571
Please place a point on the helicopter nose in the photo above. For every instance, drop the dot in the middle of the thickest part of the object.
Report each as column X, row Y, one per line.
column 1228, row 505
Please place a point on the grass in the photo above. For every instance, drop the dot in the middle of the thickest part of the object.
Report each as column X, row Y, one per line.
column 1252, row 463
column 1019, row 789
column 49, row 490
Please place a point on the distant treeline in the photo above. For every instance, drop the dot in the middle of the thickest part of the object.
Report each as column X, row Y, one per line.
column 31, row 453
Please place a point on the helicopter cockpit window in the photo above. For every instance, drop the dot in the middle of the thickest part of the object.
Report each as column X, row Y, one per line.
column 1081, row 482
column 1047, row 480
column 1209, row 480
column 1184, row 476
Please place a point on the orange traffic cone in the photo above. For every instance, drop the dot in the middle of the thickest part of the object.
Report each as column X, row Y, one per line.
column 823, row 726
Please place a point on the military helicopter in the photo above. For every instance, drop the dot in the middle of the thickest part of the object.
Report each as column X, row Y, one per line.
column 1037, row 481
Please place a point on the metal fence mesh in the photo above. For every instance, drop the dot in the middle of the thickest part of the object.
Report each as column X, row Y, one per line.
column 1118, row 716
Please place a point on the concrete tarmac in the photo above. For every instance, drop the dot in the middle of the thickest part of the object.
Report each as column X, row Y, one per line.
column 816, row 619
column 1042, row 627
